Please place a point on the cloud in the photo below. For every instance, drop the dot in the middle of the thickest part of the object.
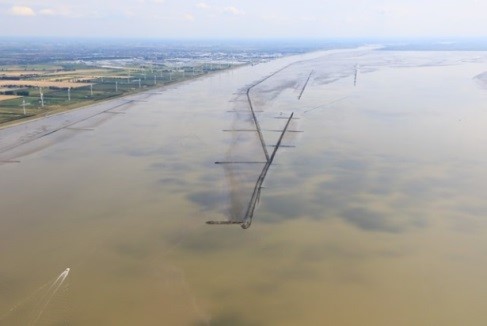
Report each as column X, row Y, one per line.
column 188, row 17
column 55, row 12
column 308, row 18
column 47, row 12
column 221, row 10
column 128, row 13
column 274, row 17
column 233, row 11
column 152, row 1
column 203, row 6
column 21, row 11
column 397, row 11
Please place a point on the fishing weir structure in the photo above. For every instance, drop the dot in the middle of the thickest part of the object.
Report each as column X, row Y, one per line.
column 246, row 220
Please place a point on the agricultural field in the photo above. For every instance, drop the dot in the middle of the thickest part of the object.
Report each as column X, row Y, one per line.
column 30, row 91
column 41, row 83
column 44, row 76
column 8, row 97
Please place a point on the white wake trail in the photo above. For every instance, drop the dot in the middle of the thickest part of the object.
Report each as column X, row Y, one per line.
column 51, row 292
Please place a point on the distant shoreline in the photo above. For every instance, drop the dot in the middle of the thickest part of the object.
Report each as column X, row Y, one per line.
column 85, row 105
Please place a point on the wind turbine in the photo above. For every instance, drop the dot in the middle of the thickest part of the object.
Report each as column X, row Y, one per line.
column 42, row 97
column 23, row 105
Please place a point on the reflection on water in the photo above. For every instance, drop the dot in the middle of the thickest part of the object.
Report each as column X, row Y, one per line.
column 374, row 217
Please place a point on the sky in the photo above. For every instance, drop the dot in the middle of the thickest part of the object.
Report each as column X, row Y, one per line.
column 236, row 19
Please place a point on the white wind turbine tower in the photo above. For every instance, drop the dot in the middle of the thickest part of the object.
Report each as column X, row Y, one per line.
column 23, row 105
column 42, row 97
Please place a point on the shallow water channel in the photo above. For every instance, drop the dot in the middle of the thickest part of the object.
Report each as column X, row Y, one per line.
column 372, row 213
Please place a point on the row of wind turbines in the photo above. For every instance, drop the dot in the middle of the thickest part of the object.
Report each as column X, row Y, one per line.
column 171, row 78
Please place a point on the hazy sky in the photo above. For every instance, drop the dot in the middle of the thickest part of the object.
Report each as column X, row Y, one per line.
column 244, row 18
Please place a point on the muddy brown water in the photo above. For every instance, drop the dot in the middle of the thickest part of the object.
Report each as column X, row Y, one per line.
column 375, row 217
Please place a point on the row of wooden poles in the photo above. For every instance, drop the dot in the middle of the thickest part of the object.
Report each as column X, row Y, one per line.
column 246, row 221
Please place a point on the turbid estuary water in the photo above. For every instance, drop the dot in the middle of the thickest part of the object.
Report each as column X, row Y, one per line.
column 372, row 213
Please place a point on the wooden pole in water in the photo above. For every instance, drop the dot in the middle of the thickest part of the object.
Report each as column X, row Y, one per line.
column 257, row 125
column 258, row 185
column 249, row 214
column 256, row 122
column 355, row 77
column 247, row 220
column 305, row 84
